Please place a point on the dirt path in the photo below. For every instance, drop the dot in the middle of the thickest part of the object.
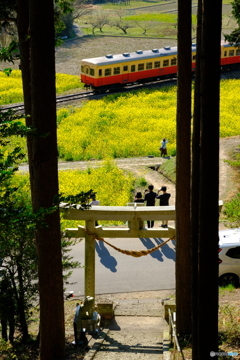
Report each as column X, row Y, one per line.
column 141, row 166
column 228, row 177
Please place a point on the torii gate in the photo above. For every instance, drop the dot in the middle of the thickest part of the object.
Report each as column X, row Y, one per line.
column 134, row 216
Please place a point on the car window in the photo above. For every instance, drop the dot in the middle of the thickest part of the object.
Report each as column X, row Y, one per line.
column 234, row 253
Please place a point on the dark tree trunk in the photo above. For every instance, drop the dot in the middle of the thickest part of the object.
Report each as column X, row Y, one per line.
column 195, row 178
column 209, row 164
column 183, row 168
column 206, row 312
column 45, row 178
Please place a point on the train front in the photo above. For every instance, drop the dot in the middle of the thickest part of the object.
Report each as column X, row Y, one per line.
column 88, row 73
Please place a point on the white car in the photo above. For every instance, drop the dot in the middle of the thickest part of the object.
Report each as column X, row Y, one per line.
column 229, row 257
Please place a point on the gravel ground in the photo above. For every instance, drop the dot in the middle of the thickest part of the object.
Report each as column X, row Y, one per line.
column 68, row 56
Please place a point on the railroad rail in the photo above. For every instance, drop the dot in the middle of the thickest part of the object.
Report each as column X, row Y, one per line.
column 60, row 99
column 94, row 95
column 19, row 108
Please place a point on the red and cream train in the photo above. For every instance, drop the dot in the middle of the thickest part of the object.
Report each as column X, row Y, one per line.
column 112, row 71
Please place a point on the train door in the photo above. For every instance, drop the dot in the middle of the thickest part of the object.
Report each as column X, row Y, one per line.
column 125, row 74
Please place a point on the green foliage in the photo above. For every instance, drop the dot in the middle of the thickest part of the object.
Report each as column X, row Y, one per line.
column 232, row 211
column 232, row 207
column 235, row 162
column 167, row 18
column 234, row 36
column 17, row 226
column 168, row 169
column 18, row 351
column 140, row 182
column 6, row 350
column 236, row 10
column 7, row 71
column 164, row 18
column 229, row 325
column 9, row 53
column 228, row 288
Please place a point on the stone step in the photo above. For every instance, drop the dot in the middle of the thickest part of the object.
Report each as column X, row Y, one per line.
column 132, row 338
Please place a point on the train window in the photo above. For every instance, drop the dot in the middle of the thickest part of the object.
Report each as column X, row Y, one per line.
column 157, row 64
column 238, row 52
column 174, row 61
column 225, row 53
column 108, row 72
column 92, row 72
column 140, row 67
column 100, row 72
column 231, row 52
column 87, row 70
column 149, row 65
column 82, row 69
column 133, row 68
column 165, row 62
column 125, row 68
column 116, row 70
column 194, row 57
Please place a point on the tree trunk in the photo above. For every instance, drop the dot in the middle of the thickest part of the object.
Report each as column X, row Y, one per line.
column 209, row 164
column 195, row 180
column 183, row 167
column 45, row 179
column 206, row 314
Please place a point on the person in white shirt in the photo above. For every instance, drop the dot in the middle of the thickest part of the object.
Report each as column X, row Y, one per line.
column 163, row 147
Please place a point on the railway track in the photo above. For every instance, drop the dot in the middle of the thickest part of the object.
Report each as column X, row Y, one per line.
column 19, row 108
column 60, row 99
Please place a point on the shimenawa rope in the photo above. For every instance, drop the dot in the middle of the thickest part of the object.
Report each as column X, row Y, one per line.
column 135, row 253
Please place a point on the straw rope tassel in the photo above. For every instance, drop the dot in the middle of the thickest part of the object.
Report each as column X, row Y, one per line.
column 135, row 253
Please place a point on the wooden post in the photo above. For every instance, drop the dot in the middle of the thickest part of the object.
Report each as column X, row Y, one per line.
column 90, row 260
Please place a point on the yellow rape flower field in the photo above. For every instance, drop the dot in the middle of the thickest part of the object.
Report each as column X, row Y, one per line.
column 113, row 186
column 116, row 126
column 124, row 125
column 11, row 86
column 133, row 124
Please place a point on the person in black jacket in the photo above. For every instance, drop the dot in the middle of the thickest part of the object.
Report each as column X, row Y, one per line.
column 139, row 198
column 150, row 197
column 164, row 201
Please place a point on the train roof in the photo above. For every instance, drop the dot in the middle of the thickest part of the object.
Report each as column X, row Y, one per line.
column 137, row 55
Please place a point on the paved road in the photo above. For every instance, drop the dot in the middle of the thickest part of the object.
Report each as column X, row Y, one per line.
column 117, row 273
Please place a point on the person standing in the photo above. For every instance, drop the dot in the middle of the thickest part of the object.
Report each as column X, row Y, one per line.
column 150, row 197
column 164, row 201
column 95, row 202
column 163, row 147
column 139, row 198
